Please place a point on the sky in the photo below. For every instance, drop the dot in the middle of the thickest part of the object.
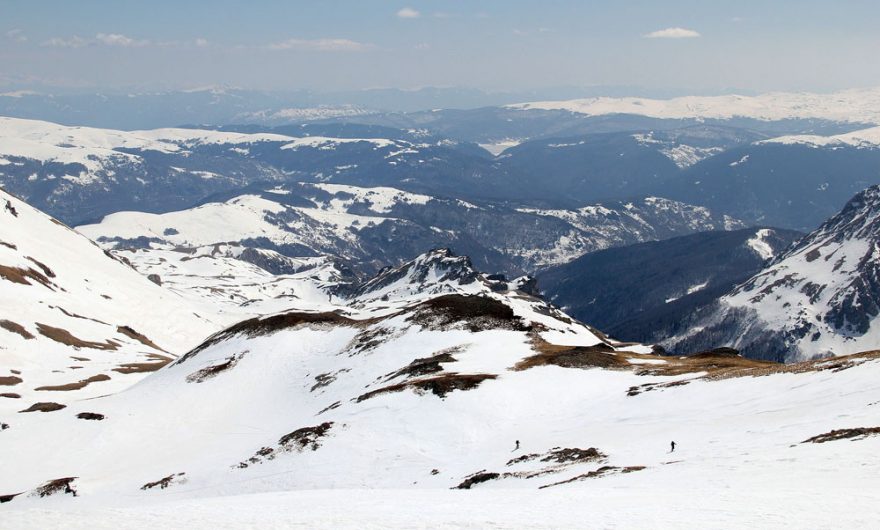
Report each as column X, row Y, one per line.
column 502, row 45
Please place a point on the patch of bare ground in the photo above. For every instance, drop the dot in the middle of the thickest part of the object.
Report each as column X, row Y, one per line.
column 46, row 270
column 440, row 385
column 322, row 380
column 298, row 440
column 8, row 498
column 9, row 245
column 10, row 395
column 162, row 483
column 601, row 472
column 10, row 380
column 258, row 326
column 857, row 433
column 367, row 340
column 140, row 368
column 75, row 386
column 23, row 276
column 65, row 337
column 426, row 365
column 74, row 315
column 477, row 478
column 330, row 407
column 200, row 376
column 53, row 487
column 472, row 312
column 94, row 416
column 728, row 366
column 13, row 327
column 4, row 426
column 44, row 406
column 132, row 334
column 599, row 356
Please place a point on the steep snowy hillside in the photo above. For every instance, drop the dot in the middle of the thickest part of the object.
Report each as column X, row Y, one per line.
column 76, row 322
column 373, row 227
column 819, row 298
column 452, row 382
column 857, row 106
column 640, row 292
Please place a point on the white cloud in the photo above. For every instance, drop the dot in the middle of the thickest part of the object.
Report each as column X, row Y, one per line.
column 16, row 35
column 60, row 42
column 321, row 45
column 408, row 12
column 202, row 43
column 672, row 33
column 101, row 39
column 118, row 39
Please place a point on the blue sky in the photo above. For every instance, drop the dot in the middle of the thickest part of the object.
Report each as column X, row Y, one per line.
column 499, row 45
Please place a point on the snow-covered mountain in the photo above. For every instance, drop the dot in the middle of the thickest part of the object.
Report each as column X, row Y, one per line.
column 232, row 282
column 817, row 299
column 75, row 321
column 80, row 173
column 856, row 106
column 642, row 292
column 863, row 138
column 373, row 227
column 438, row 377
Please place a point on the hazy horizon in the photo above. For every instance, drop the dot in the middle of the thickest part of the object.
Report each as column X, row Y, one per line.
column 664, row 50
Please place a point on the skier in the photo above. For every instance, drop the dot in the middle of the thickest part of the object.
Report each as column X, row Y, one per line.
column 672, row 444
column 517, row 446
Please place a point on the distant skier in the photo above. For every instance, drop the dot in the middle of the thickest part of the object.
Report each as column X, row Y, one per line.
column 517, row 446
column 672, row 444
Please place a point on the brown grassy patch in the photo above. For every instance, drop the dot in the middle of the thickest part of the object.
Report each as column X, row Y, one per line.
column 199, row 376
column 10, row 380
column 163, row 483
column 425, row 365
column 75, row 386
column 94, row 416
column 598, row 356
column 132, row 334
column 857, row 433
column 477, row 478
column 44, row 406
column 65, row 337
column 602, row 471
column 11, row 326
column 59, row 485
column 140, row 368
column 439, row 386
column 262, row 326
column 22, row 276
column 298, row 440
column 10, row 395
column 472, row 312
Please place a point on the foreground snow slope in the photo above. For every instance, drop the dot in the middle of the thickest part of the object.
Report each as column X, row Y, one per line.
column 73, row 316
column 423, row 382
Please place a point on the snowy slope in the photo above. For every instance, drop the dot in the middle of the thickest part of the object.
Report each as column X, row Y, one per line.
column 855, row 106
column 377, row 226
column 864, row 139
column 70, row 312
column 817, row 299
column 432, row 393
column 233, row 283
